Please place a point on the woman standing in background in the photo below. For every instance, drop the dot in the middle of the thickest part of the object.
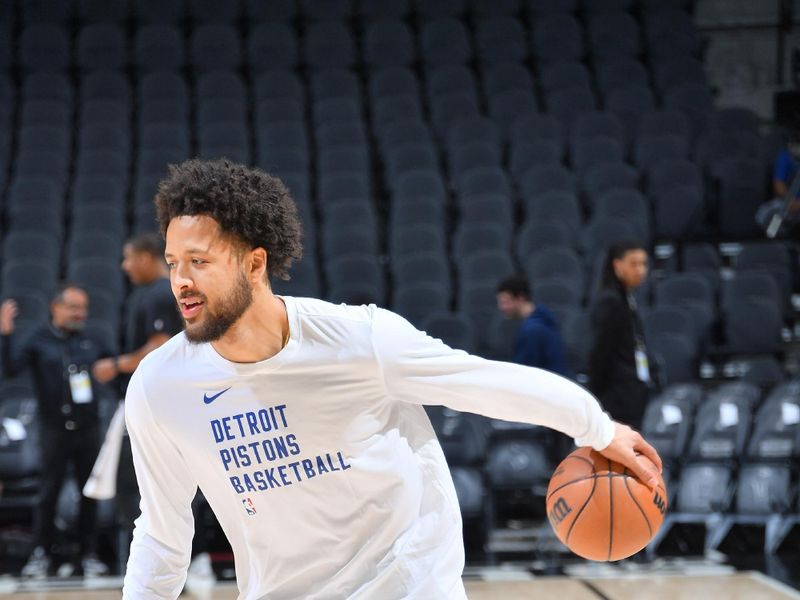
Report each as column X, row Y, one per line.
column 619, row 371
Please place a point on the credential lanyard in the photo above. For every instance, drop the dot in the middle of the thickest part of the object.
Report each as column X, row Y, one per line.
column 640, row 351
column 80, row 384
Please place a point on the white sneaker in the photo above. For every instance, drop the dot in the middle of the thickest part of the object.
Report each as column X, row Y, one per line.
column 93, row 566
column 38, row 564
column 201, row 574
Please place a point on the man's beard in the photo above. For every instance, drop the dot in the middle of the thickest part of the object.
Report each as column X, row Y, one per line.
column 74, row 326
column 216, row 324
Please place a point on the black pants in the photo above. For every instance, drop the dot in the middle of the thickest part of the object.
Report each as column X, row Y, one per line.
column 60, row 448
column 201, row 512
column 127, row 499
column 626, row 402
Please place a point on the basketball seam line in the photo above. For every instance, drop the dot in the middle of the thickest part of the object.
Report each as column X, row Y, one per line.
column 563, row 485
column 580, row 512
column 588, row 462
column 584, row 459
column 636, row 502
column 594, row 484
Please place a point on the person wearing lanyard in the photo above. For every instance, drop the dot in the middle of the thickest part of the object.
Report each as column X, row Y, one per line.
column 60, row 354
column 619, row 370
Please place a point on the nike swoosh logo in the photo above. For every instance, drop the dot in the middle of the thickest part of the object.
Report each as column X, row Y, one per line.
column 209, row 399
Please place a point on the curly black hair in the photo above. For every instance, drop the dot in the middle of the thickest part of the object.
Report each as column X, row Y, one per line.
column 253, row 208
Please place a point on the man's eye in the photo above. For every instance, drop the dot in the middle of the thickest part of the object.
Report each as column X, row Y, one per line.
column 198, row 261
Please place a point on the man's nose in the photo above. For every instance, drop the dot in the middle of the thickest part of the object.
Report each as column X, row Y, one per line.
column 180, row 277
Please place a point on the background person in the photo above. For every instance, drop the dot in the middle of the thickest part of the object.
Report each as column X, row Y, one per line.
column 538, row 342
column 60, row 354
column 619, row 369
column 784, row 171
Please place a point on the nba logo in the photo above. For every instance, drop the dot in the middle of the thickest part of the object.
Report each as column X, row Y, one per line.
column 249, row 506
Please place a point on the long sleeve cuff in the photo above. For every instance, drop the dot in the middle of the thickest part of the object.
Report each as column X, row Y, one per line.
column 599, row 435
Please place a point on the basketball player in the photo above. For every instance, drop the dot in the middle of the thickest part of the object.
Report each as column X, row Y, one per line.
column 302, row 421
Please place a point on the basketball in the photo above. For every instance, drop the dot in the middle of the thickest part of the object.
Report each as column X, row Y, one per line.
column 600, row 510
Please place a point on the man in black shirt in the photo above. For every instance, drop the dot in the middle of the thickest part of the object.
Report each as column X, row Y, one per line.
column 153, row 315
column 60, row 355
column 152, row 319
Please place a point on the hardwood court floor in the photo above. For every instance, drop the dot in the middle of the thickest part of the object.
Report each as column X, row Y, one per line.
column 737, row 586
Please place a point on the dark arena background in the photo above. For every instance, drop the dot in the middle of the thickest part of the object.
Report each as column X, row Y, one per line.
column 433, row 148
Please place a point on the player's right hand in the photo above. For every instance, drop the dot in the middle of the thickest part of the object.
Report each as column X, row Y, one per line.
column 627, row 447
column 8, row 312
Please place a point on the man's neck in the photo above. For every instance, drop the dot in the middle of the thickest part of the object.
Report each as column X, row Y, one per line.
column 259, row 334
column 527, row 310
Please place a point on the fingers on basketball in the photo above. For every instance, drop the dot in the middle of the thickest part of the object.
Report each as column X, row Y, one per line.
column 644, row 447
column 601, row 510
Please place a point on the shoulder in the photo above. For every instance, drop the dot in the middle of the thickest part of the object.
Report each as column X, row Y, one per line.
column 538, row 331
column 355, row 327
column 785, row 160
column 42, row 333
column 609, row 296
column 314, row 309
column 608, row 300
column 323, row 324
column 314, row 313
column 529, row 325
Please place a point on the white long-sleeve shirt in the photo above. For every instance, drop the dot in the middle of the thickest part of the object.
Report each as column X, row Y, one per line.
column 320, row 462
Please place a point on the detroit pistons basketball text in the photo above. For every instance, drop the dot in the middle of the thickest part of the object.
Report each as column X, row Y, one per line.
column 268, row 441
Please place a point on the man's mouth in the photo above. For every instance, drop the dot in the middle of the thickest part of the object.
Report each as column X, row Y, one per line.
column 190, row 307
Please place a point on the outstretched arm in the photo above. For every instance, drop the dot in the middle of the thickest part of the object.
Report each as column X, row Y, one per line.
column 162, row 538
column 419, row 369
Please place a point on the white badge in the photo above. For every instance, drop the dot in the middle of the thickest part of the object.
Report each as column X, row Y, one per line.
column 790, row 413
column 728, row 414
column 15, row 429
column 81, row 387
column 642, row 365
column 671, row 414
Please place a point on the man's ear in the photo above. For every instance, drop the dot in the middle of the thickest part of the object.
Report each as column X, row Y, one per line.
column 615, row 265
column 258, row 264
